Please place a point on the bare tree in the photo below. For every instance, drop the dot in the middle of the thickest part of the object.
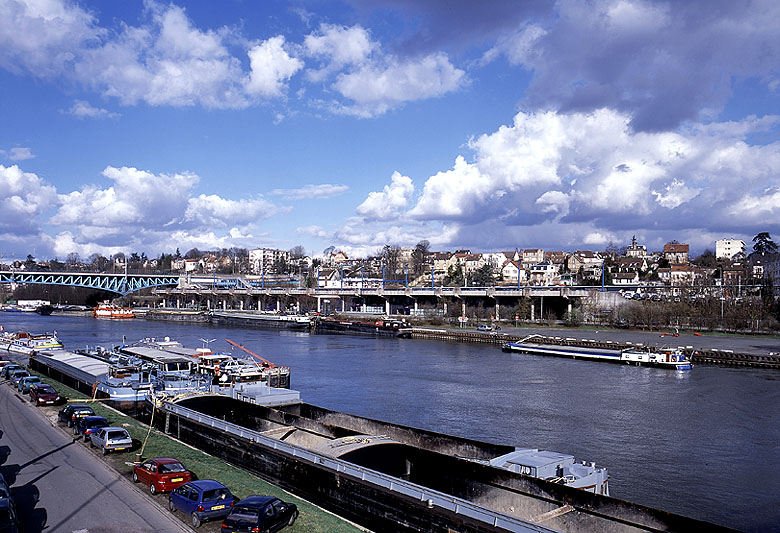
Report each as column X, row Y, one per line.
column 420, row 257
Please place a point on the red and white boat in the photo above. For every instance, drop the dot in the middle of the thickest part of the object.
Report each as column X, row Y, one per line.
column 105, row 310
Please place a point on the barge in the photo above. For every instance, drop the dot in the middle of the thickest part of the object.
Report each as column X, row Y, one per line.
column 672, row 358
column 273, row 320
column 389, row 477
column 380, row 327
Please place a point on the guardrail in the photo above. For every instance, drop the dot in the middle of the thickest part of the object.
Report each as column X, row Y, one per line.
column 429, row 497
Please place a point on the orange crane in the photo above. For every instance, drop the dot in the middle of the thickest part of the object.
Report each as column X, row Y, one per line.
column 266, row 362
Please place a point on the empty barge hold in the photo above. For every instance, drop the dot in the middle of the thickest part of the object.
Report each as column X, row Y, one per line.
column 388, row 477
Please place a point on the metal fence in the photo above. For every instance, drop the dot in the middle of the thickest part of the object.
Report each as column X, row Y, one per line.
column 429, row 497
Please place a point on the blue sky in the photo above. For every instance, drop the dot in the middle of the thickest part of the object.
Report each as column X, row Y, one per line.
column 149, row 126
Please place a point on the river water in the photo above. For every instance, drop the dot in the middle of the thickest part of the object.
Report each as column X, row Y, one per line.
column 704, row 443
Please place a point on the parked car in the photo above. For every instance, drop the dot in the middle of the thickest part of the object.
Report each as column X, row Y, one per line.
column 5, row 491
column 9, row 519
column 24, row 384
column 110, row 439
column 5, row 373
column 203, row 500
column 84, row 427
column 17, row 375
column 484, row 327
column 260, row 513
column 44, row 394
column 70, row 413
column 162, row 474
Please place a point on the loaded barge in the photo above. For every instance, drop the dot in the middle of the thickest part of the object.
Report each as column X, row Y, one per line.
column 382, row 327
column 274, row 320
column 672, row 358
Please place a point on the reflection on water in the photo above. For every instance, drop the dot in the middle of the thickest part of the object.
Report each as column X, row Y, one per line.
column 702, row 443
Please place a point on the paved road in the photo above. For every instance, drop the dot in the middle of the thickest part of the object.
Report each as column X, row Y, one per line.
column 59, row 486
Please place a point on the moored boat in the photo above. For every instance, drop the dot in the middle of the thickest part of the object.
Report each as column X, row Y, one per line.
column 26, row 343
column 666, row 357
column 106, row 310
column 274, row 320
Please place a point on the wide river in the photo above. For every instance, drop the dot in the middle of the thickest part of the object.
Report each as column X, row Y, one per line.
column 703, row 443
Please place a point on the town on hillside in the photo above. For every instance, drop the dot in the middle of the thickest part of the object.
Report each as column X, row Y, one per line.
column 730, row 264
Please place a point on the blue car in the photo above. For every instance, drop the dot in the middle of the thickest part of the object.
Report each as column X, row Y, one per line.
column 203, row 500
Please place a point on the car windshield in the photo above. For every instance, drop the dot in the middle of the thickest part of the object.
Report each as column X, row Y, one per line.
column 117, row 435
column 3, row 493
column 215, row 494
column 244, row 513
column 47, row 390
column 97, row 423
column 172, row 467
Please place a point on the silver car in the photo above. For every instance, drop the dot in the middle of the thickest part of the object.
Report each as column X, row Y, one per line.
column 111, row 439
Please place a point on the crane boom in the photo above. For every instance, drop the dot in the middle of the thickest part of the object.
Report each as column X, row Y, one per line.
column 266, row 362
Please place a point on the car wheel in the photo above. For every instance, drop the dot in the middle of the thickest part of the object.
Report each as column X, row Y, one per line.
column 135, row 477
column 293, row 518
column 171, row 507
column 195, row 520
column 152, row 488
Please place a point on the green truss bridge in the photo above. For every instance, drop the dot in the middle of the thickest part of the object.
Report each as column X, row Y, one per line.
column 122, row 284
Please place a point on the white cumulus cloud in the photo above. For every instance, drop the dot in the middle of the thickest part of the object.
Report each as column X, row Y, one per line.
column 23, row 198
column 390, row 201
column 379, row 87
column 271, row 65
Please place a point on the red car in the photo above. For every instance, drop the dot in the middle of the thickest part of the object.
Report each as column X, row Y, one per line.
column 162, row 474
column 44, row 394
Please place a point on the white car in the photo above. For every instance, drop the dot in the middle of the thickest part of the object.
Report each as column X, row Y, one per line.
column 111, row 439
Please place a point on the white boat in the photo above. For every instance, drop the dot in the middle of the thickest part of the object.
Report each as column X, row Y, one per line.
column 26, row 343
column 106, row 310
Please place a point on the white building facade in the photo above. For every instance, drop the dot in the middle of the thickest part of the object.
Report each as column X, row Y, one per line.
column 728, row 248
